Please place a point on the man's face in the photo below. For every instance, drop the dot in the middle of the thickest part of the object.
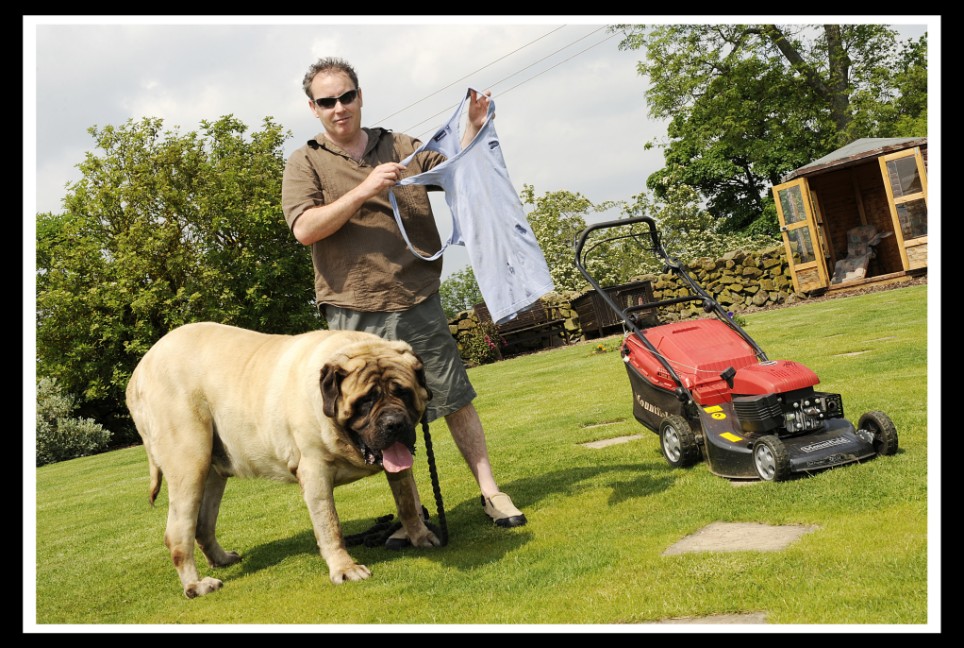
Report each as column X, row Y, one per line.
column 342, row 121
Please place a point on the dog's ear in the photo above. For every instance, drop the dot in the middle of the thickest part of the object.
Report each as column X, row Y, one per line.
column 331, row 377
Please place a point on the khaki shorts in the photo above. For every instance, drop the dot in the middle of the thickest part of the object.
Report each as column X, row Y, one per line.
column 426, row 328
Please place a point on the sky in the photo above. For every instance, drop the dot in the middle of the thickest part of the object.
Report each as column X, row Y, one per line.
column 570, row 106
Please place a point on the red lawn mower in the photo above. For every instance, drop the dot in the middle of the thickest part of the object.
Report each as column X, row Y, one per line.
column 710, row 392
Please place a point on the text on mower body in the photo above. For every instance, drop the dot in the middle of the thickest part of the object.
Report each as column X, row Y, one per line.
column 649, row 407
column 820, row 445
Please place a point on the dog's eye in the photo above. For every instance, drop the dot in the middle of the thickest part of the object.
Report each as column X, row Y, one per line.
column 403, row 393
column 364, row 404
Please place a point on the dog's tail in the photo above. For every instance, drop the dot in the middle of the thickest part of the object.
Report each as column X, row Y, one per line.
column 157, row 474
column 156, row 478
column 134, row 404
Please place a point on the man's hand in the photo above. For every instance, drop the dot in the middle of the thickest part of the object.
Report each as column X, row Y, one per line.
column 382, row 177
column 322, row 221
column 478, row 108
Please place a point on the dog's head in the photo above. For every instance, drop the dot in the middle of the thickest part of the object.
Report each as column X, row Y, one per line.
column 375, row 391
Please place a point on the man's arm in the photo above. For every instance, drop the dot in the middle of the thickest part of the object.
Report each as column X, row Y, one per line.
column 317, row 223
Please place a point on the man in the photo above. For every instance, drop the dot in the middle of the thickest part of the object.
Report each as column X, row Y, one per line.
column 335, row 199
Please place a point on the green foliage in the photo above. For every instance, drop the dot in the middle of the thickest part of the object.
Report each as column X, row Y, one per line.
column 767, row 224
column 161, row 230
column 894, row 102
column 459, row 292
column 748, row 103
column 557, row 218
column 61, row 436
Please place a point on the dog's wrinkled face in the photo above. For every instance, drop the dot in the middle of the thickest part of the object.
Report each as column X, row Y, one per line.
column 376, row 392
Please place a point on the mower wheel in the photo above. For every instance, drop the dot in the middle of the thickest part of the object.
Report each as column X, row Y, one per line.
column 883, row 430
column 771, row 459
column 678, row 442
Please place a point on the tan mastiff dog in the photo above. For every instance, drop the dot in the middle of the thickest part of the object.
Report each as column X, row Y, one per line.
column 323, row 408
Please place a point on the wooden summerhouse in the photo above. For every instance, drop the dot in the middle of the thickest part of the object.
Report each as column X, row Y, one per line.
column 856, row 215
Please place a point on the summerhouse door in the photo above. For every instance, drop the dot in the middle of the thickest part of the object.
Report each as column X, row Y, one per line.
column 905, row 179
column 801, row 236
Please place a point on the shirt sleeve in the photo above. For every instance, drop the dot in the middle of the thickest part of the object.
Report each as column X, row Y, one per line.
column 300, row 187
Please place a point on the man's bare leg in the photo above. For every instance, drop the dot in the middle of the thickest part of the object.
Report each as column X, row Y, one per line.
column 466, row 429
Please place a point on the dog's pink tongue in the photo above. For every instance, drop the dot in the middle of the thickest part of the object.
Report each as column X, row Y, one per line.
column 396, row 458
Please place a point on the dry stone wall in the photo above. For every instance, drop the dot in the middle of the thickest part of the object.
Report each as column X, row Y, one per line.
column 740, row 281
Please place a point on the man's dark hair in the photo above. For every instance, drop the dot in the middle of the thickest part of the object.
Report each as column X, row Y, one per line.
column 328, row 65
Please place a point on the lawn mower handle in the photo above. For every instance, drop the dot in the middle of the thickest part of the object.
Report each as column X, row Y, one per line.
column 709, row 304
column 581, row 240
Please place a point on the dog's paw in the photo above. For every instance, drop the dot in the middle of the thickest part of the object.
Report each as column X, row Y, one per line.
column 202, row 587
column 426, row 539
column 352, row 572
column 225, row 559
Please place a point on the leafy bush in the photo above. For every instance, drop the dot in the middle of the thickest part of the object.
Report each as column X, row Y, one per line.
column 60, row 436
column 482, row 345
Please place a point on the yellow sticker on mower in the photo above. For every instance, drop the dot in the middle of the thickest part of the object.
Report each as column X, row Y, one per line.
column 716, row 412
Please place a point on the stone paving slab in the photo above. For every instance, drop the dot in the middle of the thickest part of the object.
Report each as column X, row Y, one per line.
column 752, row 618
column 725, row 536
column 602, row 443
column 740, row 536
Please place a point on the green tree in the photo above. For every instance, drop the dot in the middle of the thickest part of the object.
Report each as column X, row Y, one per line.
column 557, row 218
column 896, row 105
column 686, row 230
column 459, row 292
column 748, row 103
column 164, row 229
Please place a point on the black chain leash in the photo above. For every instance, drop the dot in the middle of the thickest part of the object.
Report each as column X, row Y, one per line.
column 443, row 531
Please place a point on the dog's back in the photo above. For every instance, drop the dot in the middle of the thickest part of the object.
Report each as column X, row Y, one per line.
column 187, row 387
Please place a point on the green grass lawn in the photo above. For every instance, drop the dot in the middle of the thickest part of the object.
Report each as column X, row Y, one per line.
column 599, row 519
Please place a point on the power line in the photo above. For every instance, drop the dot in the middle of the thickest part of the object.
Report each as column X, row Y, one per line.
column 550, row 55
column 501, row 94
column 532, row 42
column 505, row 92
column 494, row 85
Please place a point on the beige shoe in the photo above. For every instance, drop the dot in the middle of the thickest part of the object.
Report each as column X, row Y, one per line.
column 500, row 508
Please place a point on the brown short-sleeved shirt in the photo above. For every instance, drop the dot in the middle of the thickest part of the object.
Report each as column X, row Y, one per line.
column 366, row 265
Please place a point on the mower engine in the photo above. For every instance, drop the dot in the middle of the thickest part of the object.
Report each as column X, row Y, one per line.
column 803, row 410
column 779, row 394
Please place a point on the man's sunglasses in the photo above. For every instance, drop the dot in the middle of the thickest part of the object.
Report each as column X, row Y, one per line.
column 345, row 99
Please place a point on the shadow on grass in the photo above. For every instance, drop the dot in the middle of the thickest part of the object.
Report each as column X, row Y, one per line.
column 473, row 539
